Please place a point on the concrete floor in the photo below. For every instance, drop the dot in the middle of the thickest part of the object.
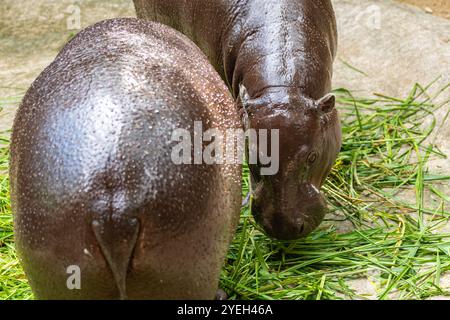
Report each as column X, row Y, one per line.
column 395, row 45
column 437, row 7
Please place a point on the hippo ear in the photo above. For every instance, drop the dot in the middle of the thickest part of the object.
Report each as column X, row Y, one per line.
column 327, row 103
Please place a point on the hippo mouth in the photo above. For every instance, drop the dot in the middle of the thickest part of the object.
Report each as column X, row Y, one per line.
column 294, row 218
column 291, row 225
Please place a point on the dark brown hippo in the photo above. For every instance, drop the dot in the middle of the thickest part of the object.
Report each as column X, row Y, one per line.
column 276, row 57
column 95, row 191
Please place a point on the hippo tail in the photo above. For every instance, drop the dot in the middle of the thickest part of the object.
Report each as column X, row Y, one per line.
column 117, row 238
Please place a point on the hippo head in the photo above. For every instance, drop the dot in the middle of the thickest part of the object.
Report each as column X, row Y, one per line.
column 288, row 203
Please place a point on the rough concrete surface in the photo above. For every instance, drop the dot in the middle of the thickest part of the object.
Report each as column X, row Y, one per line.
column 33, row 31
column 393, row 46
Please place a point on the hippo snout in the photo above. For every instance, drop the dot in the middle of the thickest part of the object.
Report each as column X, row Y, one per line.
column 294, row 225
column 295, row 217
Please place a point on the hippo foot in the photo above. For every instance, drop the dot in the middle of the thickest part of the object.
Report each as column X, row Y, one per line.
column 221, row 295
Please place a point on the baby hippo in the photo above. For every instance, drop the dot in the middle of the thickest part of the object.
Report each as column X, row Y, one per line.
column 277, row 59
column 102, row 208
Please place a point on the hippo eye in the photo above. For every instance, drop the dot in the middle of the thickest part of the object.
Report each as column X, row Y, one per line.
column 312, row 157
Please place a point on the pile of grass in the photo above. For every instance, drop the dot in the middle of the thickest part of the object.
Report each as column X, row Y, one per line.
column 13, row 283
column 395, row 244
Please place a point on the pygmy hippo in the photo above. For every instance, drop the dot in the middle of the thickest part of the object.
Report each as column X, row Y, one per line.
column 101, row 209
column 276, row 57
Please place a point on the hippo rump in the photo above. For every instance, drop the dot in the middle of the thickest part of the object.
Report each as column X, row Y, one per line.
column 101, row 209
